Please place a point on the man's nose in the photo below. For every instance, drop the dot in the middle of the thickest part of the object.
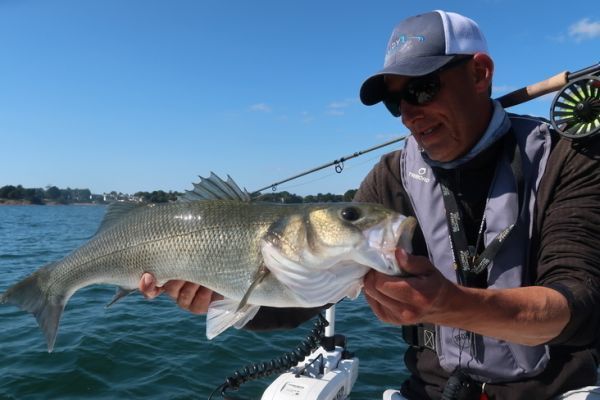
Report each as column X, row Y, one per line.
column 410, row 113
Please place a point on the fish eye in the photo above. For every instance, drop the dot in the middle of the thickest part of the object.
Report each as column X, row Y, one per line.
column 350, row 214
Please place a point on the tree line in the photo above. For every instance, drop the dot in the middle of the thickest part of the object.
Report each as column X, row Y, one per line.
column 290, row 198
column 49, row 194
column 53, row 194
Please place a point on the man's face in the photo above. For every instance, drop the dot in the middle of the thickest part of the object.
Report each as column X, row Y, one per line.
column 448, row 126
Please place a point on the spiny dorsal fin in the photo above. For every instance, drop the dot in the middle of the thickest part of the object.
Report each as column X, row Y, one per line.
column 116, row 211
column 215, row 188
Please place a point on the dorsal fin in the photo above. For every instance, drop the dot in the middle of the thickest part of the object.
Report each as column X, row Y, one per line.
column 215, row 188
column 116, row 211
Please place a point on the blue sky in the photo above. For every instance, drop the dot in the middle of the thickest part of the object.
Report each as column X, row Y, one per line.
column 132, row 95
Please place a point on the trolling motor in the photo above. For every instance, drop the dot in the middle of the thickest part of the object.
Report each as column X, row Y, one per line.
column 329, row 373
column 320, row 368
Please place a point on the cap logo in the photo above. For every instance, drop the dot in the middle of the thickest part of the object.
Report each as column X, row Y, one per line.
column 402, row 38
column 396, row 44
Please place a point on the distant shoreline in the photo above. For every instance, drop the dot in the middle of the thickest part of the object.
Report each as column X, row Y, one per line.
column 5, row 202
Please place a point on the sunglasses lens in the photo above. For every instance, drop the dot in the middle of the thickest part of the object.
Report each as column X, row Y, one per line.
column 422, row 91
column 418, row 92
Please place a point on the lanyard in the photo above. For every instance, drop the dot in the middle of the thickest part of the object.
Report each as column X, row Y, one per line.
column 466, row 260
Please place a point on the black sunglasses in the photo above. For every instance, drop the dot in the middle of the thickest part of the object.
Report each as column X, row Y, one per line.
column 421, row 90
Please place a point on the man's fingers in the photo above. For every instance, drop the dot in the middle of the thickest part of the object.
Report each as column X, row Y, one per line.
column 186, row 294
column 413, row 265
column 172, row 288
column 146, row 282
column 392, row 312
column 199, row 304
column 374, row 293
column 375, row 306
column 148, row 286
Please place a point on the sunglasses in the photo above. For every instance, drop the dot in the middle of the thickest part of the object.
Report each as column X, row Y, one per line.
column 421, row 90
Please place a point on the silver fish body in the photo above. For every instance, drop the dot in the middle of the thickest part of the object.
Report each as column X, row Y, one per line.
column 257, row 254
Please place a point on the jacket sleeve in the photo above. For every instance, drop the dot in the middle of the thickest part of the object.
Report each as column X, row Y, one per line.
column 568, row 258
column 271, row 318
column 383, row 185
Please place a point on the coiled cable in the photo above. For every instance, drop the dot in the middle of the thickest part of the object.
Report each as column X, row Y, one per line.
column 277, row 364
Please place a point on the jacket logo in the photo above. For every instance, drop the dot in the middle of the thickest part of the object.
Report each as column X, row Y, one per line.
column 462, row 339
column 420, row 175
column 429, row 339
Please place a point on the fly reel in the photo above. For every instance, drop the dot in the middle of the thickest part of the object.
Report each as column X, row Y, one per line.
column 575, row 111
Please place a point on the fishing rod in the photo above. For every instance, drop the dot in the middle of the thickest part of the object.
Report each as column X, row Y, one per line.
column 339, row 164
column 575, row 111
column 330, row 371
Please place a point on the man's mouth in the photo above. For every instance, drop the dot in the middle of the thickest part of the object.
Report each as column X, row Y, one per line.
column 428, row 131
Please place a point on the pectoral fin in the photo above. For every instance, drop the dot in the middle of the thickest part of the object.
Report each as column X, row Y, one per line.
column 260, row 275
column 225, row 313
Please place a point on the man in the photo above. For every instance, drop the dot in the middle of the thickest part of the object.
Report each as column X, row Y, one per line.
column 506, row 266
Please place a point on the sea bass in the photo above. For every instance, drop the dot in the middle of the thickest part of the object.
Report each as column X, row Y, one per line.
column 254, row 254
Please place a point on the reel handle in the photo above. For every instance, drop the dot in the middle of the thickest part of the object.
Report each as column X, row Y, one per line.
column 541, row 88
column 534, row 90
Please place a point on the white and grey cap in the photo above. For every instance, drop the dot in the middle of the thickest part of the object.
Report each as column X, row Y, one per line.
column 420, row 45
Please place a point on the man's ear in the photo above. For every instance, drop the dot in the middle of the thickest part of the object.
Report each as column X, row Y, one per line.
column 483, row 68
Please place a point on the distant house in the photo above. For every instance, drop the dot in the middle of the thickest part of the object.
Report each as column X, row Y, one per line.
column 97, row 198
column 114, row 196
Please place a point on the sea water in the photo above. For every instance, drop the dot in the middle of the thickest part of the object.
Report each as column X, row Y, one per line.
column 146, row 349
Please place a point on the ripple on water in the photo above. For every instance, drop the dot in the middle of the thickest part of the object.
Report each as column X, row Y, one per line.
column 145, row 349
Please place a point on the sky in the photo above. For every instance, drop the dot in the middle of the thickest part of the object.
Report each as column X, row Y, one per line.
column 143, row 95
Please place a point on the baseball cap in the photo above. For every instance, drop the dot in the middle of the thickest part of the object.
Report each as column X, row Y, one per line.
column 422, row 44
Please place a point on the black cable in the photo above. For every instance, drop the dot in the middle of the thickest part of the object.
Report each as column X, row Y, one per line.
column 276, row 365
column 302, row 370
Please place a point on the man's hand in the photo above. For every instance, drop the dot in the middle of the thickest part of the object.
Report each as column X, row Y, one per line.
column 529, row 315
column 189, row 296
column 404, row 301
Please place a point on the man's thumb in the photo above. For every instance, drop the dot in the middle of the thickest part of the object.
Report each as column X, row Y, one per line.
column 412, row 265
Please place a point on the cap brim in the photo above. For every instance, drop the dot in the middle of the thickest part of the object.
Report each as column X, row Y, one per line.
column 373, row 89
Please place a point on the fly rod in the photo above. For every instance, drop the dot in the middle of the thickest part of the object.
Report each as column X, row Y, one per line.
column 339, row 164
column 546, row 86
column 575, row 111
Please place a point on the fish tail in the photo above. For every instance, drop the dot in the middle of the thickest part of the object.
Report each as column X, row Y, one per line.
column 32, row 295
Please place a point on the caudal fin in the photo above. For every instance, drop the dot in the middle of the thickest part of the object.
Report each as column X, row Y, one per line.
column 32, row 295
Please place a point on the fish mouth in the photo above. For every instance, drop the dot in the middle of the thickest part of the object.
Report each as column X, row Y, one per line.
column 383, row 239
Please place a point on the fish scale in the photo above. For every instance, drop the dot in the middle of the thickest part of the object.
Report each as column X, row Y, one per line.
column 254, row 254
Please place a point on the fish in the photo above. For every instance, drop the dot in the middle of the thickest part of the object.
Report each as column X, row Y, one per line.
column 253, row 253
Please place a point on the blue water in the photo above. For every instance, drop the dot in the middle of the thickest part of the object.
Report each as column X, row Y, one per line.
column 140, row 349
